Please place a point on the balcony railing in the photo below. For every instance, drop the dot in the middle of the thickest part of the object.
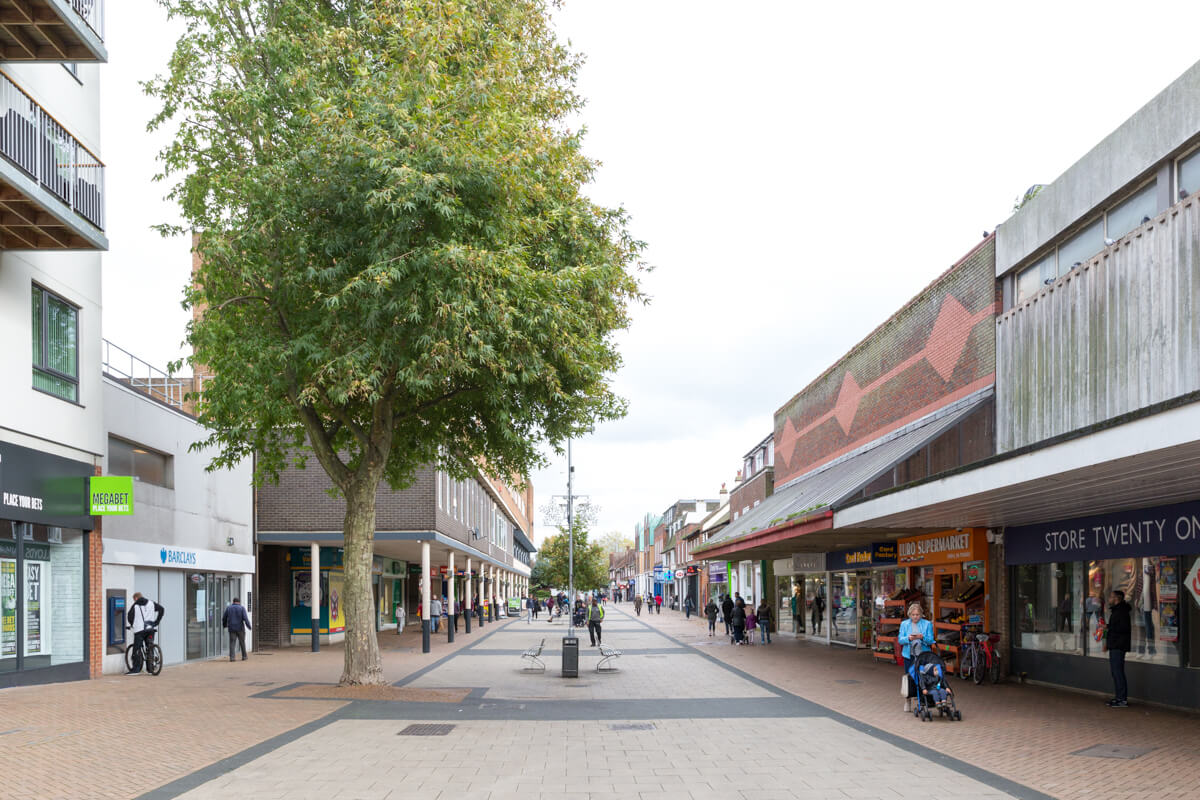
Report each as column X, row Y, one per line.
column 43, row 149
column 130, row 370
column 92, row 12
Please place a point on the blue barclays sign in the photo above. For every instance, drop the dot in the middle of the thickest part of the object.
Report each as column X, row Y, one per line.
column 1160, row 531
column 179, row 557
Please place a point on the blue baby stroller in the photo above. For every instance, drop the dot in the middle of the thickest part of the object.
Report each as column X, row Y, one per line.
column 928, row 673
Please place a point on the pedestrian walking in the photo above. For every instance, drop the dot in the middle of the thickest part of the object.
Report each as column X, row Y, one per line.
column 457, row 613
column 536, row 604
column 658, row 604
column 595, row 616
column 738, row 620
column 237, row 622
column 637, row 605
column 1119, row 635
column 738, row 601
column 751, row 623
column 818, row 612
column 795, row 607
column 399, row 618
column 727, row 614
column 710, row 611
column 529, row 610
column 689, row 606
column 915, row 633
column 764, row 621
column 435, row 612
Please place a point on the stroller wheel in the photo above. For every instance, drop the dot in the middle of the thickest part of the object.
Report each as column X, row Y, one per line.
column 958, row 715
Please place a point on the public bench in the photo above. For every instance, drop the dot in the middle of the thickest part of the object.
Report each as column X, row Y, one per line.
column 610, row 654
column 535, row 662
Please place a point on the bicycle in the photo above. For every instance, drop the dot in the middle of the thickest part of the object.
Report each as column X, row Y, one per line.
column 980, row 657
column 151, row 654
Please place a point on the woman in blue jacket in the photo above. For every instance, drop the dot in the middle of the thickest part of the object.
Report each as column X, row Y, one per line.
column 915, row 634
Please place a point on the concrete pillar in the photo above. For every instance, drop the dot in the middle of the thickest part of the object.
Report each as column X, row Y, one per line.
column 451, row 617
column 425, row 596
column 315, row 600
column 467, row 599
column 491, row 594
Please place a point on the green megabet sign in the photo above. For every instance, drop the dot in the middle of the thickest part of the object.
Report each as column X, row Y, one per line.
column 111, row 495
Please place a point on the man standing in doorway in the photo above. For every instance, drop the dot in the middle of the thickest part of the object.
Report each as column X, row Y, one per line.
column 1120, row 635
column 237, row 621
column 595, row 615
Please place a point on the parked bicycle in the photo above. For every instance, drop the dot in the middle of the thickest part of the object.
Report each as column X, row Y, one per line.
column 152, row 655
column 980, row 658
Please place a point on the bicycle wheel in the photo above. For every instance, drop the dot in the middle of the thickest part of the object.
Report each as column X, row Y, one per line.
column 154, row 660
column 994, row 672
column 980, row 666
column 964, row 661
column 129, row 658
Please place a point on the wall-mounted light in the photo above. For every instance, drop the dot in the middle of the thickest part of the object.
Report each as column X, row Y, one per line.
column 229, row 541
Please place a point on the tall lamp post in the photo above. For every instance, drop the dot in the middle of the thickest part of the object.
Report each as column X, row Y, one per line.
column 570, row 535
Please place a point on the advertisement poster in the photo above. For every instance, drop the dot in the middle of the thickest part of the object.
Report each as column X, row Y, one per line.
column 337, row 616
column 302, row 588
column 1168, row 579
column 8, row 608
column 33, row 608
column 1168, row 621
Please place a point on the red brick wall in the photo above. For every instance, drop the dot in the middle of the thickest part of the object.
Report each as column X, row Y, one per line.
column 95, row 604
column 759, row 488
column 936, row 349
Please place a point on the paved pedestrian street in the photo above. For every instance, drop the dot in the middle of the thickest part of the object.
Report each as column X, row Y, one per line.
column 685, row 716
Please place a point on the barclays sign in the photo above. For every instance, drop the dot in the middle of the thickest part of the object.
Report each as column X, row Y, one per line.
column 183, row 558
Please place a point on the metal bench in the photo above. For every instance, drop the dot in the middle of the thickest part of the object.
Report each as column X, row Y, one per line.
column 535, row 663
column 609, row 654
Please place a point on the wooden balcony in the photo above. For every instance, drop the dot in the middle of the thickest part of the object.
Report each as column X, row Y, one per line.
column 52, row 30
column 51, row 186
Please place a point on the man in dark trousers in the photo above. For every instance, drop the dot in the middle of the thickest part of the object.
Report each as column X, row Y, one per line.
column 1119, row 639
column 142, row 625
column 727, row 614
column 595, row 616
column 237, row 621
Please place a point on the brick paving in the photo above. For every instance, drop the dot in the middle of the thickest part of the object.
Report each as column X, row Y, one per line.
column 87, row 739
column 1025, row 733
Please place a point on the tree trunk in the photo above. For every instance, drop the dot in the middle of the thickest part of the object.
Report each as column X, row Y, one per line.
column 362, row 648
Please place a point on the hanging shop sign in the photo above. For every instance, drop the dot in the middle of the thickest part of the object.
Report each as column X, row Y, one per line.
column 110, row 495
column 808, row 562
column 692, row 570
column 679, row 574
column 1126, row 534
column 969, row 544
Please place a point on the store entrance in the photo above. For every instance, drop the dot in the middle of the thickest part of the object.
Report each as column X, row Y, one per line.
column 207, row 597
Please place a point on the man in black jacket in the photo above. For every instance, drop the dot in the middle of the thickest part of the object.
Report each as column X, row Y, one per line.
column 236, row 620
column 140, row 622
column 1120, row 635
column 727, row 614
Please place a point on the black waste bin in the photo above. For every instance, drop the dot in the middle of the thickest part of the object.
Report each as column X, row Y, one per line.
column 570, row 657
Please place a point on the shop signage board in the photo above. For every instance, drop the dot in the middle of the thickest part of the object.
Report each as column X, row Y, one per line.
column 1147, row 532
column 43, row 489
column 110, row 495
column 945, row 547
column 679, row 574
column 1192, row 581
column 862, row 557
column 716, row 572
column 808, row 562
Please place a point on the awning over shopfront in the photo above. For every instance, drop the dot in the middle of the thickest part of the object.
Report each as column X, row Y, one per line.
column 804, row 506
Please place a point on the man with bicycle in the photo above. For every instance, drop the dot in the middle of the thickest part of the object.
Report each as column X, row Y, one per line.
column 142, row 625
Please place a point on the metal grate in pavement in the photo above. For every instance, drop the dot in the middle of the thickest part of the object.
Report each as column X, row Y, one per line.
column 1112, row 751
column 261, row 683
column 848, row 681
column 633, row 726
column 426, row 730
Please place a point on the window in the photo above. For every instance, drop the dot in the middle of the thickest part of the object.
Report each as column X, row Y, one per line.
column 1130, row 213
column 1047, row 607
column 55, row 345
column 147, row 466
column 1189, row 173
column 1031, row 280
column 1081, row 246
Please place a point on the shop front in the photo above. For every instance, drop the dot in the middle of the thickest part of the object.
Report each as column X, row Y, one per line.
column 328, row 596
column 852, row 575
column 798, row 609
column 947, row 575
column 1062, row 575
column 44, row 567
column 718, row 581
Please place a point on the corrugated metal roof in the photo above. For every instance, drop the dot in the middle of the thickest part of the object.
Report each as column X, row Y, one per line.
column 838, row 480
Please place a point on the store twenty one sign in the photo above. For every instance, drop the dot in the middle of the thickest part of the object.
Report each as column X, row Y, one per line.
column 1164, row 530
column 110, row 495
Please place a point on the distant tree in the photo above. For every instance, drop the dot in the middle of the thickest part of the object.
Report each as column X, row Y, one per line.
column 591, row 563
column 398, row 263
column 615, row 542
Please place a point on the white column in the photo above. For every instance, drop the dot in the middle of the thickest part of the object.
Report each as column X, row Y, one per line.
column 425, row 592
column 467, row 599
column 451, row 619
column 315, row 600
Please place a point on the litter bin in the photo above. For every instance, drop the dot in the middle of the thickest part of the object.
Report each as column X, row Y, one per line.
column 570, row 662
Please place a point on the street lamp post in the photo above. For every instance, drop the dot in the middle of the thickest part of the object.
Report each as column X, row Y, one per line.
column 570, row 535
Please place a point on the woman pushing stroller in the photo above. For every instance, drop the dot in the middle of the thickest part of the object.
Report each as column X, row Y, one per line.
column 914, row 632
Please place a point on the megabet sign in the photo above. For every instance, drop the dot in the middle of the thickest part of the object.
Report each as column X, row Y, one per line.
column 110, row 495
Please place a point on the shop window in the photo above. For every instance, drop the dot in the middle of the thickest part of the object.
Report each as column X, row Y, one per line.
column 1047, row 607
column 55, row 345
column 146, row 466
column 45, row 589
column 1151, row 587
column 1189, row 172
column 1130, row 213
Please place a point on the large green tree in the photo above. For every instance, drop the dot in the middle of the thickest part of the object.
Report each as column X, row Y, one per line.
column 397, row 263
column 551, row 570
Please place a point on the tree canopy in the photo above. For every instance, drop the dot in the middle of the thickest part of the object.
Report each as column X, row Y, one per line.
column 551, row 569
column 398, row 265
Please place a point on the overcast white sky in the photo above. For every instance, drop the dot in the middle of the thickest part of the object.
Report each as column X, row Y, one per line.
column 797, row 171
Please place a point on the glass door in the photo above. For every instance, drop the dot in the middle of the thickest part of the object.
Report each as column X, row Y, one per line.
column 197, row 608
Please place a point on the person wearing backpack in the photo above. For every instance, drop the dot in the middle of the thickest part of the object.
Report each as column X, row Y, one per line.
column 595, row 615
column 710, row 611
